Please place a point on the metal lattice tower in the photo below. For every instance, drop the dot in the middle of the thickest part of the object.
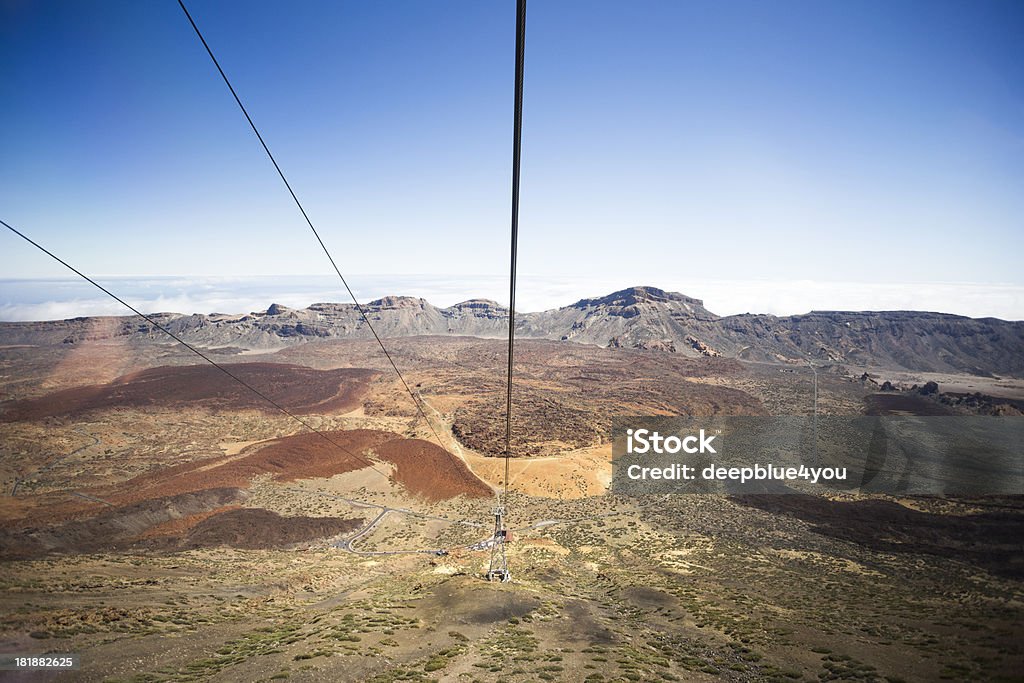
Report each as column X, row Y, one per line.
column 498, row 568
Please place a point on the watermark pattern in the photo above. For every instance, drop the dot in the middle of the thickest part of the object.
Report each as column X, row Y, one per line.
column 898, row 455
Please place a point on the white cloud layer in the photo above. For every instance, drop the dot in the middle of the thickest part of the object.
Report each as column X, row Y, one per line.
column 57, row 299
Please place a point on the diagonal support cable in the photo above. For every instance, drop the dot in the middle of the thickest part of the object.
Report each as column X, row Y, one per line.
column 362, row 312
column 193, row 349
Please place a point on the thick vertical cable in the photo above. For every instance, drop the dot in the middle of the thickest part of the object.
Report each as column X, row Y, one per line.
column 517, row 140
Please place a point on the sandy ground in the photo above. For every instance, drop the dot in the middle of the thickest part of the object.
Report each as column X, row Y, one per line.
column 575, row 474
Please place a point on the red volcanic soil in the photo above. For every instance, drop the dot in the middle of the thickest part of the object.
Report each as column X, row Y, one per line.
column 298, row 388
column 422, row 468
column 303, row 456
column 196, row 504
column 426, row 470
column 312, row 456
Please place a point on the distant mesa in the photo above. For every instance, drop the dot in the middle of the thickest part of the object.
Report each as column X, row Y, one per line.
column 397, row 302
column 483, row 309
column 633, row 296
column 478, row 305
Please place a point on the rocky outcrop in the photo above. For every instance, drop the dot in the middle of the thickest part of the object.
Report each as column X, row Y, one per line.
column 700, row 347
column 637, row 318
column 278, row 309
column 482, row 309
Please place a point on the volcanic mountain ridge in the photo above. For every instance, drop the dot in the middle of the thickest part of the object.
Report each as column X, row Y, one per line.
column 637, row 317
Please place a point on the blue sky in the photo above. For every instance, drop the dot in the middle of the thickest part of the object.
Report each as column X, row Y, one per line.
column 826, row 143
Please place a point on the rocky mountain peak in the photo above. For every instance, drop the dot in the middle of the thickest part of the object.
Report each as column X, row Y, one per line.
column 637, row 295
column 628, row 302
column 278, row 309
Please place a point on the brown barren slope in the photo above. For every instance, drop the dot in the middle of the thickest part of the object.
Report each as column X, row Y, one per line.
column 303, row 456
column 255, row 529
column 191, row 505
column 298, row 388
column 210, row 520
column 420, row 467
column 426, row 470
column 110, row 529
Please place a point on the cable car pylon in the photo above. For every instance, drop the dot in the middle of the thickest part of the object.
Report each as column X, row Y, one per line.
column 498, row 570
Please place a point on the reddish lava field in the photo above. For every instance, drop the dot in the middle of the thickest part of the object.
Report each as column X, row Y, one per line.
column 298, row 388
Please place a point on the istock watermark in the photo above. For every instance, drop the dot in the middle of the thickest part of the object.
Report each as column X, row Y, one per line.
column 779, row 455
column 645, row 440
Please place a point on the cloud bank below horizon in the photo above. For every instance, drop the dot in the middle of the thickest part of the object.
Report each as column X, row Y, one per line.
column 57, row 299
